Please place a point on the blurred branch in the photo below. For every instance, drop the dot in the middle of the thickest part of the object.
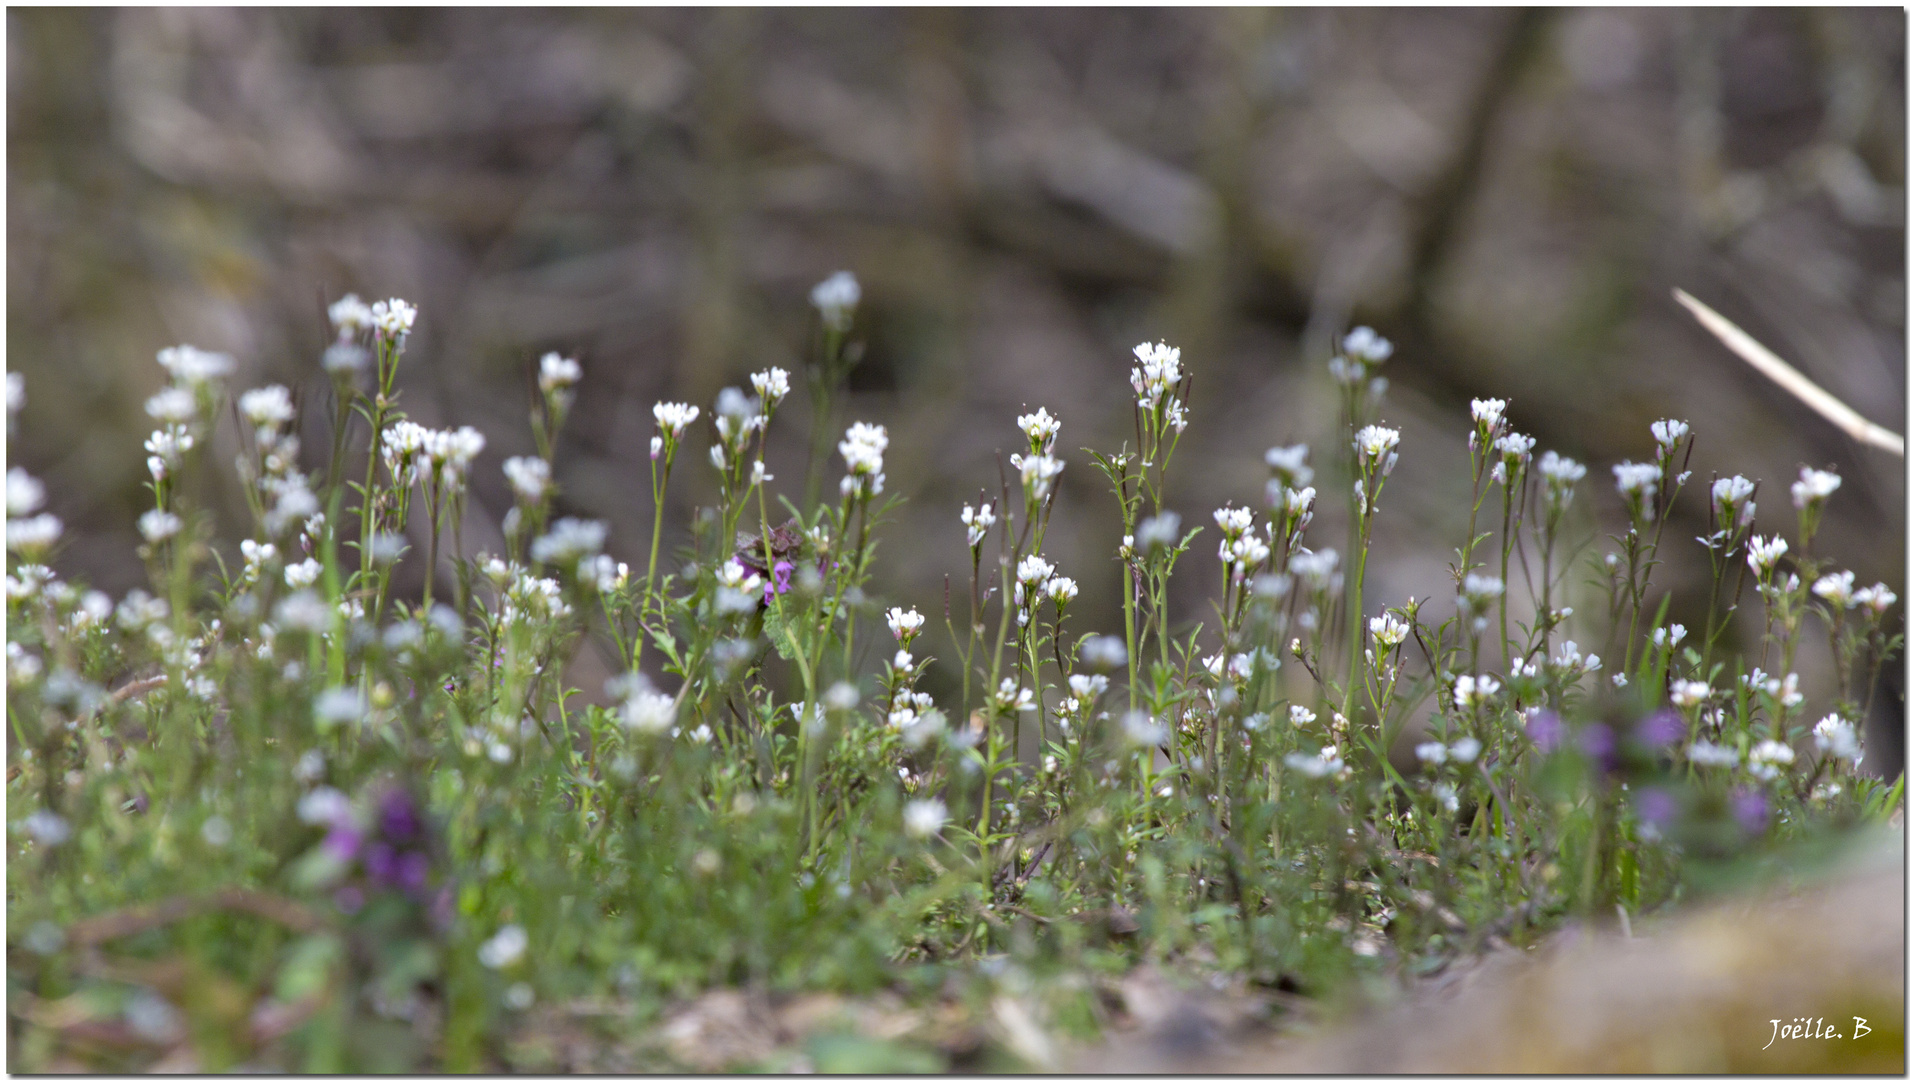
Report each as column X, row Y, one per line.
column 1823, row 401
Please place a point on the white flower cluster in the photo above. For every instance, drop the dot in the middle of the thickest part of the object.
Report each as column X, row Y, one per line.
column 1157, row 378
column 978, row 522
column 1462, row 751
column 1762, row 554
column 1813, row 486
column 905, row 625
column 1323, row 765
column 393, row 318
column 1469, row 692
column 836, row 298
column 529, row 478
column 557, row 373
column 1769, row 759
column 1837, row 738
column 1361, row 353
column 862, row 449
column 569, row 541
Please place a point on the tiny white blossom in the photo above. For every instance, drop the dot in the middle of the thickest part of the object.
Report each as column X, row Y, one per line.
column 1768, row 759
column 300, row 574
column 33, row 534
column 1162, row 530
column 338, row 705
column 1877, row 598
column 771, row 385
column 1763, row 552
column 570, row 540
column 504, row 948
column 1432, row 753
column 1813, row 486
column 1488, row 413
column 836, row 298
column 1040, row 428
column 192, row 366
column 1837, row 737
column 1062, row 589
column 1158, row 375
column 1468, row 691
column 268, row 407
column 1688, row 693
column 1388, row 629
column 905, row 624
column 350, row 315
column 24, row 493
column 1837, row 588
column 673, row 417
column 1466, row 750
column 1233, row 522
column 172, row 405
column 1668, row 433
column 1300, row 716
column 393, row 317
column 923, row 818
column 1711, row 755
column 529, row 477
column 555, row 372
column 978, row 522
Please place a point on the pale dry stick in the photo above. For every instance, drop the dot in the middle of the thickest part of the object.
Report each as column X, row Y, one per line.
column 1754, row 353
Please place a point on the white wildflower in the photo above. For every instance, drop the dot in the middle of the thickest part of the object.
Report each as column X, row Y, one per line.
column 555, row 372
column 529, row 477
column 393, row 317
column 1769, row 758
column 192, row 366
column 504, row 948
column 836, row 298
column 1813, row 486
column 923, row 818
column 1837, row 588
column 1837, row 737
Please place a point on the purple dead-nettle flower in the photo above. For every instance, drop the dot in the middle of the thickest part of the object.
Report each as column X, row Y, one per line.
column 836, row 298
column 978, row 522
column 1597, row 742
column 1813, row 486
column 1837, row 589
column 393, row 318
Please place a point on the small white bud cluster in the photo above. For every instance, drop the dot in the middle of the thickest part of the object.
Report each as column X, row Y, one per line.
column 672, row 418
column 1839, row 589
column 1462, row 751
column 1837, row 738
column 1324, row 765
column 529, row 478
column 1561, row 476
column 1361, row 353
column 1469, row 692
column 978, row 522
column 1160, row 531
column 1813, row 486
column 836, row 298
column 1769, row 759
column 862, row 449
column 905, row 625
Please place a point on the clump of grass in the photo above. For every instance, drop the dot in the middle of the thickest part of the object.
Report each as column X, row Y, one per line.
column 272, row 812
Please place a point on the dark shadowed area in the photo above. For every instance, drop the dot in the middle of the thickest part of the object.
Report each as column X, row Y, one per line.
column 1024, row 195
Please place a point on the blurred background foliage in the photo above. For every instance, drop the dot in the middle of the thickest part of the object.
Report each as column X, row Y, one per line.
column 1024, row 194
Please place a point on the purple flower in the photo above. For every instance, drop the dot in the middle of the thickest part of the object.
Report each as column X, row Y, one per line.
column 342, row 842
column 1596, row 741
column 381, row 863
column 1659, row 730
column 414, row 870
column 1751, row 809
column 779, row 580
column 1655, row 807
column 397, row 818
column 1546, row 730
